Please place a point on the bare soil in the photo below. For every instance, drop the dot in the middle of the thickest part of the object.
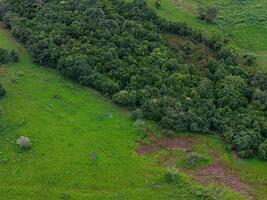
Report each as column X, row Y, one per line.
column 184, row 143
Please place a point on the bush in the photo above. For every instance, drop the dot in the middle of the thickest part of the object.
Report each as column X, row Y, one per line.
column 122, row 98
column 13, row 56
column 139, row 123
column 249, row 59
column 3, row 56
column 137, row 114
column 246, row 142
column 171, row 176
column 195, row 160
column 24, row 142
column 6, row 56
column 2, row 91
column 263, row 150
column 208, row 15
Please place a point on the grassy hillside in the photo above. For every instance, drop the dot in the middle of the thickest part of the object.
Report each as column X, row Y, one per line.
column 83, row 147
column 244, row 21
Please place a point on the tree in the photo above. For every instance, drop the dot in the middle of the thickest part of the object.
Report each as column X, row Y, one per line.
column 231, row 91
column 249, row 59
column 122, row 98
column 246, row 142
column 14, row 56
column 4, row 57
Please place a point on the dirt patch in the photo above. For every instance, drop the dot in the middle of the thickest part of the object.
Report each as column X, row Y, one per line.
column 183, row 143
column 220, row 174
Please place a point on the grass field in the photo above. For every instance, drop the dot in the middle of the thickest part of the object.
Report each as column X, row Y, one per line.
column 83, row 147
column 245, row 22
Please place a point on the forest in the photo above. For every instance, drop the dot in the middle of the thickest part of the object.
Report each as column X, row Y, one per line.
column 119, row 49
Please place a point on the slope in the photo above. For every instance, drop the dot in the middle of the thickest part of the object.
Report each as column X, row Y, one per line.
column 83, row 147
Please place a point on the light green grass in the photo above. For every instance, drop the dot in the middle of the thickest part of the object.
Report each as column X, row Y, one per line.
column 65, row 132
column 245, row 22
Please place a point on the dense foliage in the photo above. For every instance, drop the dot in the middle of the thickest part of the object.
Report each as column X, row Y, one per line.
column 8, row 56
column 118, row 49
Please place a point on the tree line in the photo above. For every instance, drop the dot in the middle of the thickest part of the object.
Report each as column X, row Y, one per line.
column 117, row 48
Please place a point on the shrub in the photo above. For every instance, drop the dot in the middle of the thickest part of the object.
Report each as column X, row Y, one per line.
column 171, row 176
column 6, row 56
column 139, row 123
column 24, row 142
column 246, row 142
column 208, row 15
column 263, row 150
column 3, row 56
column 249, row 59
column 122, row 98
column 195, row 160
column 140, row 126
column 2, row 91
column 187, row 47
column 137, row 114
column 13, row 56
